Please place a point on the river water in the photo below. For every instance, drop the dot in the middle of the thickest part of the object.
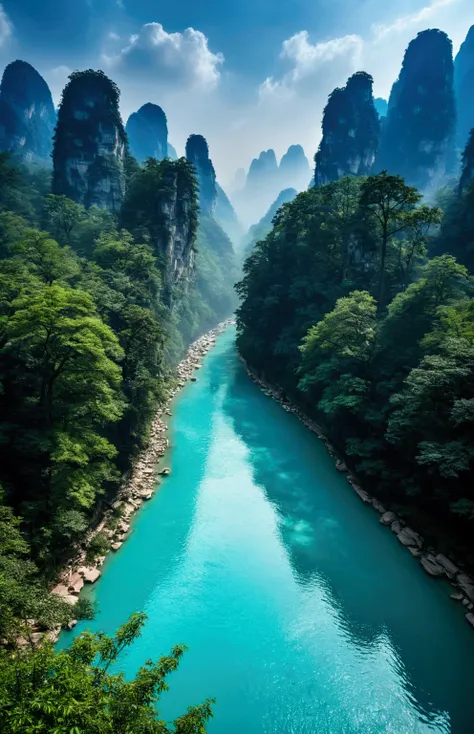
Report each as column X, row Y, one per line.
column 303, row 615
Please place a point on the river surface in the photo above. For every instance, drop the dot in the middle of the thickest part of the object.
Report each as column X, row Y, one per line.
column 303, row 615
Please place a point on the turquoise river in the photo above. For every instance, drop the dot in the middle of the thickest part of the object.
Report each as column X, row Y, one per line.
column 302, row 614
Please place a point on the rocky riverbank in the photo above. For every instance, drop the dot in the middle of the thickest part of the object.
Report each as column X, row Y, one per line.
column 435, row 564
column 137, row 487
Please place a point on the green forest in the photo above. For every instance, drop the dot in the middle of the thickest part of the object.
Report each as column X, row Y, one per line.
column 91, row 327
column 359, row 306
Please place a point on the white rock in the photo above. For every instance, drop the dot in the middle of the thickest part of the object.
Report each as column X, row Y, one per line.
column 90, row 575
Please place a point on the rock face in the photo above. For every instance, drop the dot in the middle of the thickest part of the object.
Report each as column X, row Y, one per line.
column 240, row 178
column 294, row 170
column 418, row 134
column 160, row 207
column 27, row 114
column 351, row 132
column 197, row 153
column 467, row 175
column 90, row 144
column 463, row 87
column 147, row 132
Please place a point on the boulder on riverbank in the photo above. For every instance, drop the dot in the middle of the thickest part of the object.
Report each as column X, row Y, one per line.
column 90, row 575
column 408, row 537
column 467, row 585
column 388, row 518
column 450, row 569
column 431, row 566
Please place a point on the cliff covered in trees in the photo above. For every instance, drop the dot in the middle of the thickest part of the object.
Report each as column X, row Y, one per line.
column 386, row 371
column 147, row 132
column 160, row 208
column 90, row 144
column 418, row 134
column 351, row 131
column 27, row 114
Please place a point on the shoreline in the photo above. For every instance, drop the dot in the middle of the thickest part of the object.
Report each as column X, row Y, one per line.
column 138, row 486
column 435, row 564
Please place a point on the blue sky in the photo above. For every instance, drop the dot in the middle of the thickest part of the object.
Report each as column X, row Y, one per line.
column 248, row 74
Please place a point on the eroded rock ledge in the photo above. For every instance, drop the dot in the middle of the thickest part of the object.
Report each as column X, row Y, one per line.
column 435, row 564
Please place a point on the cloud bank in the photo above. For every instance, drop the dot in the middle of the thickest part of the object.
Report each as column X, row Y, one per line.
column 180, row 59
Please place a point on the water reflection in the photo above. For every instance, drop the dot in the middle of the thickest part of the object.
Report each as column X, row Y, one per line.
column 377, row 593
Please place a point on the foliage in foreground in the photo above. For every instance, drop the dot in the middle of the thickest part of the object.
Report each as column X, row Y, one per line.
column 74, row 691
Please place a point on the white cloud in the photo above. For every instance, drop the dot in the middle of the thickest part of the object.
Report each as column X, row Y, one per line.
column 112, row 36
column 308, row 61
column 381, row 31
column 175, row 58
column 6, row 26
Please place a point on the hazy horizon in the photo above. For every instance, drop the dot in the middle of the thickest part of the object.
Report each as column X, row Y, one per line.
column 226, row 73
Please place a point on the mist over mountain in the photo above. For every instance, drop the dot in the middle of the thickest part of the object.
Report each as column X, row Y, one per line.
column 255, row 192
column 260, row 230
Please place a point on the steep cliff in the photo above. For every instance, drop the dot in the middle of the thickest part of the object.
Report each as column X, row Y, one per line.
column 147, row 132
column 197, row 153
column 225, row 215
column 160, row 207
column 467, row 176
column 418, row 134
column 90, row 144
column 464, row 89
column 351, row 131
column 294, row 169
column 27, row 114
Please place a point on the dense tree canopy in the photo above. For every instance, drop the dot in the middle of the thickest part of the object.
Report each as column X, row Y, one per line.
column 91, row 326
column 344, row 311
